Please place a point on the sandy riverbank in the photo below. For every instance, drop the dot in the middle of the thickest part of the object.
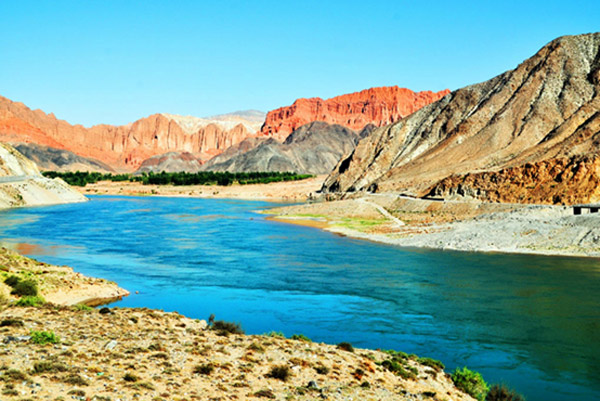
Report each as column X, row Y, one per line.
column 296, row 191
column 464, row 226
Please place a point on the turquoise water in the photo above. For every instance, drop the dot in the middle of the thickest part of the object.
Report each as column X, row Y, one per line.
column 532, row 322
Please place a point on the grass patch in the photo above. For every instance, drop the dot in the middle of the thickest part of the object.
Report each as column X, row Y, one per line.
column 300, row 337
column 44, row 337
column 432, row 363
column 48, row 367
column 82, row 307
column 31, row 301
column 75, row 380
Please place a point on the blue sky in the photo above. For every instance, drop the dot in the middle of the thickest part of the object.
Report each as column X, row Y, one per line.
column 113, row 62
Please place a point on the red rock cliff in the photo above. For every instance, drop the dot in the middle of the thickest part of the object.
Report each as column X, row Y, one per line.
column 379, row 106
column 122, row 147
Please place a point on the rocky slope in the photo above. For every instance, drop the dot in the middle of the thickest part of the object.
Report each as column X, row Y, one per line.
column 21, row 183
column 124, row 147
column 53, row 159
column 546, row 109
column 172, row 162
column 378, row 106
column 313, row 148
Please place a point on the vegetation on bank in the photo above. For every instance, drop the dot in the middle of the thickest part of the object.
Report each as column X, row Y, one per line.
column 82, row 178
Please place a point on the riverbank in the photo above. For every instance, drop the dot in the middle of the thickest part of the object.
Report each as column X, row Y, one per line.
column 53, row 351
column 296, row 191
column 59, row 285
column 453, row 225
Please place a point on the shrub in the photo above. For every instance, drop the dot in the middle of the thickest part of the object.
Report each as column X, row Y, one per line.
column 470, row 382
column 15, row 375
column 25, row 288
column 130, row 377
column 277, row 334
column 265, row 393
column 395, row 367
column 12, row 281
column 345, row 346
column 225, row 328
column 75, row 380
column 205, row 369
column 502, row 393
column 47, row 366
column 11, row 322
column 300, row 337
column 31, row 301
column 432, row 363
column 280, row 372
column 321, row 369
column 44, row 337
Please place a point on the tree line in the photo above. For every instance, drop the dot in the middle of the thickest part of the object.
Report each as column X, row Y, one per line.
column 82, row 178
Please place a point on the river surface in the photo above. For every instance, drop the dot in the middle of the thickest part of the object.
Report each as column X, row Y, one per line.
column 532, row 322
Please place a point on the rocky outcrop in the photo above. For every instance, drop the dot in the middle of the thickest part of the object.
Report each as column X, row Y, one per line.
column 546, row 108
column 378, row 106
column 564, row 180
column 52, row 159
column 124, row 147
column 172, row 162
column 313, row 149
column 21, row 183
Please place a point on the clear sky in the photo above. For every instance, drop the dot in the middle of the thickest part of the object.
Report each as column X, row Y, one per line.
column 113, row 62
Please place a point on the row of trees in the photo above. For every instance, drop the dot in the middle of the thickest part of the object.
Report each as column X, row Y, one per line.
column 82, row 178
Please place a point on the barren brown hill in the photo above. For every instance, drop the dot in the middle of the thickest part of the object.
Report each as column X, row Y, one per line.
column 379, row 106
column 122, row 147
column 546, row 109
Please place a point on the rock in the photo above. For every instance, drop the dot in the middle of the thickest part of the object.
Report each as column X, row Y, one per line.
column 546, row 109
column 378, row 106
column 9, row 339
column 313, row 148
column 110, row 345
column 105, row 311
column 21, row 183
column 312, row 385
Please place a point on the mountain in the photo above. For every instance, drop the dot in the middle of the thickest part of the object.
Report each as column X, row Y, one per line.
column 172, row 162
column 378, row 106
column 48, row 158
column 489, row 139
column 125, row 147
column 21, row 183
column 313, row 148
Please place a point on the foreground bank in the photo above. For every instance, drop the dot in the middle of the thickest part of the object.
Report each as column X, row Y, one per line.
column 57, row 352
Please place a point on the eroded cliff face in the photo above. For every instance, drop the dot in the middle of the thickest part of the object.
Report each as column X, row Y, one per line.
column 378, row 106
column 546, row 108
column 565, row 180
column 123, row 147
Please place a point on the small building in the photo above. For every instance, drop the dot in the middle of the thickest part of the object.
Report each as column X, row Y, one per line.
column 584, row 209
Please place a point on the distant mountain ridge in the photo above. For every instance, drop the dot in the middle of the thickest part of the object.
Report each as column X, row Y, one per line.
column 528, row 121
column 125, row 147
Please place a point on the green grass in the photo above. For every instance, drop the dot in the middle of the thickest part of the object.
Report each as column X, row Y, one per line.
column 44, row 337
column 470, row 382
column 31, row 301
